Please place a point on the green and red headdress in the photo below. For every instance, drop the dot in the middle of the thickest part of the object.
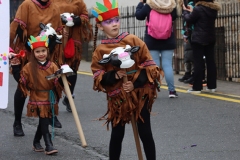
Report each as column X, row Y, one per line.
column 105, row 11
column 39, row 41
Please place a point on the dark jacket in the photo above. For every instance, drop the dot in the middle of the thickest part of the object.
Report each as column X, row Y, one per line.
column 143, row 12
column 203, row 18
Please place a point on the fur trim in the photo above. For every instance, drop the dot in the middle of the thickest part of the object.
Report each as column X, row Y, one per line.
column 212, row 5
column 161, row 7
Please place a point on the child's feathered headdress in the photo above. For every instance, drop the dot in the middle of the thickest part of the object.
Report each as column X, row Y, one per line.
column 39, row 41
column 106, row 11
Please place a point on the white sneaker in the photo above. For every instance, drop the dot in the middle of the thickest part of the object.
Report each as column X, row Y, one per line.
column 193, row 91
column 211, row 90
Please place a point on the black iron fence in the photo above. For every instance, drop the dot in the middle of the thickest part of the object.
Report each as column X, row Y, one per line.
column 227, row 45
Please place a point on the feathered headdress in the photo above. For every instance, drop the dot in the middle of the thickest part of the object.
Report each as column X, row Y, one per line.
column 39, row 41
column 106, row 11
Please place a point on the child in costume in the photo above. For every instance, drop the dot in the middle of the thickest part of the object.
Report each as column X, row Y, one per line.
column 139, row 89
column 80, row 32
column 44, row 94
column 26, row 22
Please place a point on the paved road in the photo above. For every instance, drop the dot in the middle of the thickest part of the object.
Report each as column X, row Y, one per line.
column 186, row 128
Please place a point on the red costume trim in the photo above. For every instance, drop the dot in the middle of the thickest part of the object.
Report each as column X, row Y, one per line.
column 84, row 16
column 114, row 40
column 148, row 63
column 20, row 22
column 97, row 73
column 39, row 102
column 115, row 92
column 45, row 67
column 23, row 80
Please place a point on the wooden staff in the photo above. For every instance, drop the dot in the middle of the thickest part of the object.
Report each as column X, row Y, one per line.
column 71, row 102
column 135, row 130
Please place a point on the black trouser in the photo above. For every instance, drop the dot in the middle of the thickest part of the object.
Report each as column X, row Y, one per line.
column 42, row 128
column 198, row 52
column 145, row 134
column 19, row 100
column 72, row 80
column 43, row 125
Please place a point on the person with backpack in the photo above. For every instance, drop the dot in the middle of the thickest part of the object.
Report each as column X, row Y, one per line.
column 159, row 36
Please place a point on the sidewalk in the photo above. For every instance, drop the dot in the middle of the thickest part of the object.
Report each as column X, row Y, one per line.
column 224, row 88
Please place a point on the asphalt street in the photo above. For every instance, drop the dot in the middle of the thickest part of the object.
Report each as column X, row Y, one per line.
column 186, row 128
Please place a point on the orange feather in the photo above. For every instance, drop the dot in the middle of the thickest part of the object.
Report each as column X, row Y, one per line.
column 108, row 4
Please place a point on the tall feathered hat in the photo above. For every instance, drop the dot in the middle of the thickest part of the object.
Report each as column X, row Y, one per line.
column 39, row 41
column 105, row 11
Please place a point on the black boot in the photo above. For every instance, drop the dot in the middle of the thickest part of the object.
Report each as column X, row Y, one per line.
column 57, row 124
column 36, row 141
column 17, row 129
column 49, row 145
column 67, row 104
column 185, row 77
column 190, row 80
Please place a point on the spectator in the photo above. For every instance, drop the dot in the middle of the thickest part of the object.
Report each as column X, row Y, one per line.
column 160, row 47
column 203, row 17
column 188, row 53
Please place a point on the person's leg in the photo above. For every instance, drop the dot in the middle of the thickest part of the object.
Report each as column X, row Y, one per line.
column 198, row 51
column 145, row 133
column 187, row 74
column 115, row 146
column 188, row 68
column 155, row 56
column 188, row 58
column 211, row 67
column 37, row 147
column 204, row 82
column 44, row 122
column 187, row 61
column 19, row 101
column 166, row 59
column 72, row 80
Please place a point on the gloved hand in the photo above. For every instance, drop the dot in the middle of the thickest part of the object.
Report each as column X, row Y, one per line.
column 76, row 20
column 53, row 40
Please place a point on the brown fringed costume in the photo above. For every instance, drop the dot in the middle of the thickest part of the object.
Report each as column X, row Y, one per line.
column 119, row 109
column 40, row 97
column 28, row 17
column 81, row 33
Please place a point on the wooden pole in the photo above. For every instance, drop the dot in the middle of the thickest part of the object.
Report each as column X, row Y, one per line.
column 74, row 111
column 135, row 131
column 71, row 102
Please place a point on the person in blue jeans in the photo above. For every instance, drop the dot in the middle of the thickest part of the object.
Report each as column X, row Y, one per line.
column 163, row 48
